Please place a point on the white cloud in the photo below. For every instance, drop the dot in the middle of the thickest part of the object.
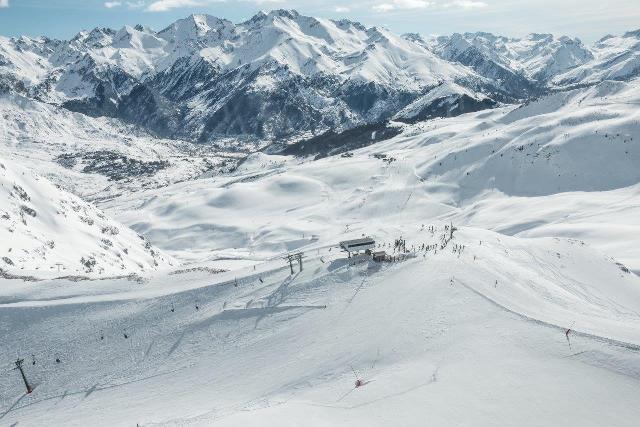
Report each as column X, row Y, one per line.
column 467, row 4
column 401, row 4
column 384, row 7
column 164, row 5
column 341, row 9
column 136, row 4
column 112, row 4
column 4, row 3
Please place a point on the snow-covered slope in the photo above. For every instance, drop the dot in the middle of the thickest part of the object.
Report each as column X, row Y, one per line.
column 569, row 141
column 427, row 337
column 565, row 165
column 44, row 230
column 581, row 142
column 489, row 328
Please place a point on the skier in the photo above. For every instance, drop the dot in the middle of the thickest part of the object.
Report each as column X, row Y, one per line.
column 566, row 334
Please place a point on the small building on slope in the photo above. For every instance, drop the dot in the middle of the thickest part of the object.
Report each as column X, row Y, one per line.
column 355, row 246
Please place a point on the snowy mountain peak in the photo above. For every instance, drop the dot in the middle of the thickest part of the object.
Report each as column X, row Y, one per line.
column 96, row 38
column 205, row 23
column 487, row 36
column 539, row 37
column 132, row 38
column 635, row 34
column 413, row 37
column 457, row 44
column 268, row 17
column 283, row 13
column 349, row 25
column 194, row 27
column 612, row 58
column 196, row 77
column 537, row 56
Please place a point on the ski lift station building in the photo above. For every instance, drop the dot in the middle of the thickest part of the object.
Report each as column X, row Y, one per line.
column 357, row 245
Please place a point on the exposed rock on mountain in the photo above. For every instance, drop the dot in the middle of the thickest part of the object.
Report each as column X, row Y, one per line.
column 284, row 76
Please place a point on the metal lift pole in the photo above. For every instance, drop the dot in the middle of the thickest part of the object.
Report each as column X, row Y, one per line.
column 24, row 378
column 289, row 258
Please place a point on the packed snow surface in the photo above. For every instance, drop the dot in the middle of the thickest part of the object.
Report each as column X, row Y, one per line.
column 473, row 333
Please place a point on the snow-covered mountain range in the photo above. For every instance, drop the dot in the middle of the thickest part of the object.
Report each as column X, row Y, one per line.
column 287, row 76
column 542, row 59
column 536, row 58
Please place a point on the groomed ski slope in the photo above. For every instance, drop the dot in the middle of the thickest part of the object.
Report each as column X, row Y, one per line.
column 470, row 338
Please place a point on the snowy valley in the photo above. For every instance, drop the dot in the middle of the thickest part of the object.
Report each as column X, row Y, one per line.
column 152, row 184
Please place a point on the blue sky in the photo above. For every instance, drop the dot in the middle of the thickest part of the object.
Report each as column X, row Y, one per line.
column 587, row 19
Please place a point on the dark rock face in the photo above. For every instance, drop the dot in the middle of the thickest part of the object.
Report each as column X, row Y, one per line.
column 279, row 112
column 150, row 110
column 237, row 107
column 512, row 83
column 97, row 106
column 233, row 105
column 332, row 143
column 449, row 107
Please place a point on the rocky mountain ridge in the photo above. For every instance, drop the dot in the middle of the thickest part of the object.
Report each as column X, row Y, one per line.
column 284, row 76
